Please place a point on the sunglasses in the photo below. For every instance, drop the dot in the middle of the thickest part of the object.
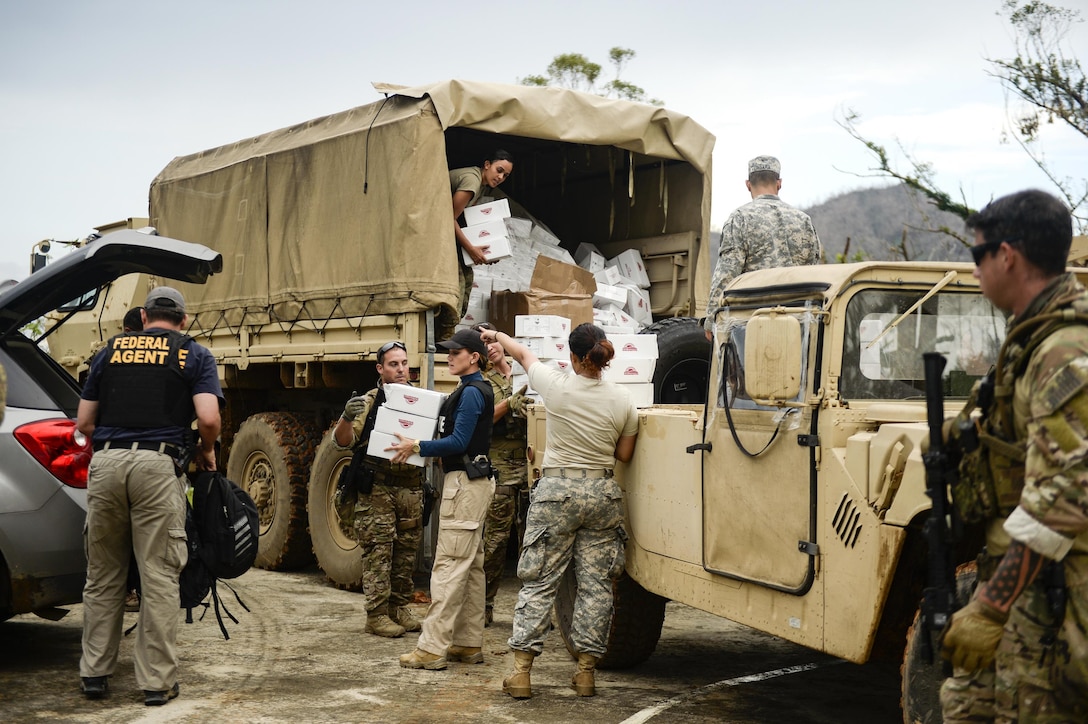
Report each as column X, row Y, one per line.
column 388, row 346
column 980, row 251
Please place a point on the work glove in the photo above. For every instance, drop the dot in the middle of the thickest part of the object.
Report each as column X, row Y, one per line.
column 971, row 640
column 516, row 402
column 354, row 407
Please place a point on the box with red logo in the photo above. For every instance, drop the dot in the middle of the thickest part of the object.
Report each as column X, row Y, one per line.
column 425, row 403
column 379, row 441
column 480, row 213
column 392, row 421
column 634, row 346
column 494, row 246
column 629, row 370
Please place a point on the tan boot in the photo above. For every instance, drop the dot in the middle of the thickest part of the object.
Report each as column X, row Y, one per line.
column 420, row 659
column 517, row 684
column 404, row 617
column 380, row 624
column 465, row 654
column 583, row 683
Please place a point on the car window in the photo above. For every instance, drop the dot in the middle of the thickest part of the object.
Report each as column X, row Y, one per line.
column 34, row 380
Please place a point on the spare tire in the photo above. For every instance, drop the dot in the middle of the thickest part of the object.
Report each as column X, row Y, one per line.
column 683, row 361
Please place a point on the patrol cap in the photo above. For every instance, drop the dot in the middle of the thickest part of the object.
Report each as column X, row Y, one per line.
column 165, row 298
column 764, row 163
column 465, row 339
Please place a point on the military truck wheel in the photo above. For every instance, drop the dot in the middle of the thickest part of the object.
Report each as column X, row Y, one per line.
column 270, row 459
column 637, row 617
column 683, row 364
column 921, row 678
column 336, row 551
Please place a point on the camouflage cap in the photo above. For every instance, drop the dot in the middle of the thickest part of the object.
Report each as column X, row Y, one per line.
column 764, row 163
column 165, row 298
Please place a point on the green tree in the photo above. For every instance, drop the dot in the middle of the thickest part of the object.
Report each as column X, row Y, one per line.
column 577, row 72
column 1045, row 77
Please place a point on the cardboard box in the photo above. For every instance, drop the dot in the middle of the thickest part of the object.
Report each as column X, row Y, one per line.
column 494, row 248
column 608, row 294
column 629, row 370
column 541, row 325
column 556, row 288
column 547, row 347
column 642, row 393
column 631, row 266
column 418, row 401
column 480, row 213
column 392, row 421
column 628, row 346
column 638, row 304
column 609, row 275
column 380, row 440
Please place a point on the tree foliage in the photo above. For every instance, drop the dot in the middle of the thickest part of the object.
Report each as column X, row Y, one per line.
column 577, row 72
column 1045, row 77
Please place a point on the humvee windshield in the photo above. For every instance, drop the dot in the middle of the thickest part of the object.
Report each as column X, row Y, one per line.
column 881, row 361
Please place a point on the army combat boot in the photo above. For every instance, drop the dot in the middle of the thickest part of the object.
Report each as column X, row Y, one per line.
column 465, row 654
column 404, row 617
column 517, row 684
column 583, row 683
column 379, row 624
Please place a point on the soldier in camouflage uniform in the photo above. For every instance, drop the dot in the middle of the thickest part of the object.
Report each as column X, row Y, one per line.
column 762, row 234
column 388, row 523
column 1020, row 647
column 576, row 508
column 508, row 441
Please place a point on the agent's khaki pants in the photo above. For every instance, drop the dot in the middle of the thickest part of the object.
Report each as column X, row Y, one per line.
column 135, row 505
column 458, row 584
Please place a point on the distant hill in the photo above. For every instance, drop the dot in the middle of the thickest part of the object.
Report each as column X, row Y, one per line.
column 874, row 221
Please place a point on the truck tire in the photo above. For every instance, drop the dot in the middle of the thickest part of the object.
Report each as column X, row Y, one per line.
column 683, row 364
column 921, row 679
column 337, row 553
column 270, row 459
column 637, row 617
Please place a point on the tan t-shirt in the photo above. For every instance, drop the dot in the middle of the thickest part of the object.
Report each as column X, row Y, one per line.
column 468, row 179
column 585, row 418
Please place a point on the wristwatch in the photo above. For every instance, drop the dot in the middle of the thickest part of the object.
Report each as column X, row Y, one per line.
column 415, row 447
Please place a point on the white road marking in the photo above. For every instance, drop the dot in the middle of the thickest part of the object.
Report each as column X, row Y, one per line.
column 647, row 714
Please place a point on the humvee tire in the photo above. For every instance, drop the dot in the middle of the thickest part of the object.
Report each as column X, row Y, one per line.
column 270, row 459
column 683, row 364
column 337, row 553
column 637, row 617
column 921, row 679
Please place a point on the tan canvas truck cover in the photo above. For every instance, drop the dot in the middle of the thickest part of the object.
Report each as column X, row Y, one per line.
column 349, row 215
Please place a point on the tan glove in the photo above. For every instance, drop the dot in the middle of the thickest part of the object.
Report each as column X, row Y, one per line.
column 516, row 402
column 354, row 407
column 971, row 640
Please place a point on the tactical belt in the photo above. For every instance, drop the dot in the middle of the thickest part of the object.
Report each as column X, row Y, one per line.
column 576, row 472
column 163, row 447
column 506, row 489
column 392, row 481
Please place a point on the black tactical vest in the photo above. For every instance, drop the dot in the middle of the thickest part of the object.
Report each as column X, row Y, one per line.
column 142, row 384
column 480, row 442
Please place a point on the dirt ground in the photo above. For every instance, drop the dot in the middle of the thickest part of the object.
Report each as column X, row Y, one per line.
column 301, row 655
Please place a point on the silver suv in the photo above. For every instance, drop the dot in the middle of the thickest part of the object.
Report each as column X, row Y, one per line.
column 43, row 459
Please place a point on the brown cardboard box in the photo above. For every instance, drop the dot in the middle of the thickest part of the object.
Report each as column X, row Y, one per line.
column 556, row 288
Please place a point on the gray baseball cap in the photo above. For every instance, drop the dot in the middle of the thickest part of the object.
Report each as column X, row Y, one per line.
column 165, row 298
column 764, row 163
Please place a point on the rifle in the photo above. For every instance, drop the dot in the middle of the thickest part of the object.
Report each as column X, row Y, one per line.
column 939, row 595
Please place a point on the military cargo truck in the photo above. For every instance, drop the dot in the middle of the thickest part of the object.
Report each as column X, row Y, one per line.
column 794, row 500
column 337, row 237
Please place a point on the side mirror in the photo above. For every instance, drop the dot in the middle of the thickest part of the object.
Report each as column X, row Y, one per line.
column 772, row 357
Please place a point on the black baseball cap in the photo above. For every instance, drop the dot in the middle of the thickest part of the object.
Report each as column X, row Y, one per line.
column 465, row 339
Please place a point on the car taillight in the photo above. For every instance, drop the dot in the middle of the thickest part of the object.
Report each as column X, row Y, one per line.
column 59, row 447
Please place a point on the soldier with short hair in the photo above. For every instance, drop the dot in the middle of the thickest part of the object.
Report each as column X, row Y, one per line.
column 1020, row 647
column 762, row 234
column 388, row 522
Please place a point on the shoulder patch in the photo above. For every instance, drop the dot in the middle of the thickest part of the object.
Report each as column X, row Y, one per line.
column 1063, row 387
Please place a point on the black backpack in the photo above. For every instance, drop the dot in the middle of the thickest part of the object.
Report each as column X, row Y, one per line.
column 222, row 526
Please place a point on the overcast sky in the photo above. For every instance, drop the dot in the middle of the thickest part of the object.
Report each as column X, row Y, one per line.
column 99, row 95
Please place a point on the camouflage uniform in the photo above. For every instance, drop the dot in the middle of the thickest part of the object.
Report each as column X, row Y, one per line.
column 762, row 234
column 1041, row 669
column 388, row 525
column 508, row 440
column 570, row 517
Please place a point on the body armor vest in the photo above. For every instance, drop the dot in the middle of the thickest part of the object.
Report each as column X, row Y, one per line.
column 480, row 442
column 142, row 383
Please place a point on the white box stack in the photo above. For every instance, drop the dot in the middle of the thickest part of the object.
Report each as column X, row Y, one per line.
column 545, row 335
column 633, row 366
column 410, row 411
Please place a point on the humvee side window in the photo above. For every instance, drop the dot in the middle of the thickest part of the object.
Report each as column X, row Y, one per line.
column 882, row 359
